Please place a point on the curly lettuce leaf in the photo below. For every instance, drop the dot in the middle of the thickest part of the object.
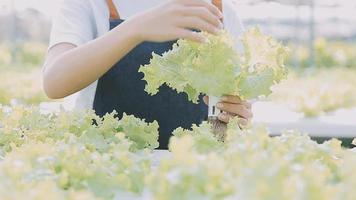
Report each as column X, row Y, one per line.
column 215, row 68
column 69, row 157
column 144, row 135
column 256, row 84
column 205, row 139
column 194, row 68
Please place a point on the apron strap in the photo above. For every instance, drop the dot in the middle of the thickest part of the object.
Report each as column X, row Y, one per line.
column 218, row 4
column 114, row 14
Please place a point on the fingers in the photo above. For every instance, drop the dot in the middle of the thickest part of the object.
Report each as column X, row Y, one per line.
column 198, row 23
column 235, row 100
column 200, row 15
column 204, row 14
column 237, row 109
column 225, row 117
column 233, row 104
column 190, row 35
column 243, row 122
column 231, row 99
column 201, row 3
column 206, row 100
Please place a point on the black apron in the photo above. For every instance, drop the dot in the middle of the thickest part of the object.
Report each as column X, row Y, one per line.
column 122, row 89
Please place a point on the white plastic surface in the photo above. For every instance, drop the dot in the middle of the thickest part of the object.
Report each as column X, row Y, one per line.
column 213, row 110
column 278, row 118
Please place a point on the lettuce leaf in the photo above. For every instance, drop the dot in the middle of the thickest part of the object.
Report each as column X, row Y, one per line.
column 215, row 68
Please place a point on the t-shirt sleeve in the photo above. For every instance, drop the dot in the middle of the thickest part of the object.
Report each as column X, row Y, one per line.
column 73, row 23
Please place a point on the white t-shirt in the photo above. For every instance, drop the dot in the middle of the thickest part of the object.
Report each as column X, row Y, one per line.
column 80, row 21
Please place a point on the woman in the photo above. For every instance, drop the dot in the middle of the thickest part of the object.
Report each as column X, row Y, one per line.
column 100, row 60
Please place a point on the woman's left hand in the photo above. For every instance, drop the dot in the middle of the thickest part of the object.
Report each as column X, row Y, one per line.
column 233, row 106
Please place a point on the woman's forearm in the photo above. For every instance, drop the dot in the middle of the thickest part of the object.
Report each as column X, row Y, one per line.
column 78, row 67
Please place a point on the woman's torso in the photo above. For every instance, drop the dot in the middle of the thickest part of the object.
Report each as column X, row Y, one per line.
column 96, row 13
column 84, row 20
column 121, row 90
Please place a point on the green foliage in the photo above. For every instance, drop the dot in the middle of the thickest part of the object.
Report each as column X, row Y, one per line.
column 206, row 141
column 252, row 165
column 5, row 55
column 23, row 55
column 22, row 85
column 215, row 68
column 327, row 54
column 313, row 94
column 65, row 156
column 20, row 73
column 32, row 53
column 140, row 132
column 68, row 156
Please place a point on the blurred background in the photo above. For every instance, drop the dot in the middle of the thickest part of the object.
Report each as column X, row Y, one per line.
column 321, row 36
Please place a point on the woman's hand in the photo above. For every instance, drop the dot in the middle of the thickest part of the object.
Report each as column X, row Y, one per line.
column 233, row 106
column 176, row 19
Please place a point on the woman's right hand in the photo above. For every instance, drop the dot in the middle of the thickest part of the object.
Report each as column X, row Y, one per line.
column 176, row 19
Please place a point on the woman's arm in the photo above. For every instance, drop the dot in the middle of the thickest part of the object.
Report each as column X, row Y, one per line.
column 69, row 69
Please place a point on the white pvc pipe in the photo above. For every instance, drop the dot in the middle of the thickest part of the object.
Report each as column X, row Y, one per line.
column 213, row 110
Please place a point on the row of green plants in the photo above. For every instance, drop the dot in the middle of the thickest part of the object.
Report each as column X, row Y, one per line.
column 20, row 73
column 22, row 55
column 21, row 87
column 315, row 92
column 323, row 86
column 64, row 156
column 327, row 54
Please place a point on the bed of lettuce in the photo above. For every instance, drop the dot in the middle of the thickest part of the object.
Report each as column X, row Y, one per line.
column 78, row 155
column 67, row 156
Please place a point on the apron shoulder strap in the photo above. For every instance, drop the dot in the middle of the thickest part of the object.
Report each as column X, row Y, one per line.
column 114, row 14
